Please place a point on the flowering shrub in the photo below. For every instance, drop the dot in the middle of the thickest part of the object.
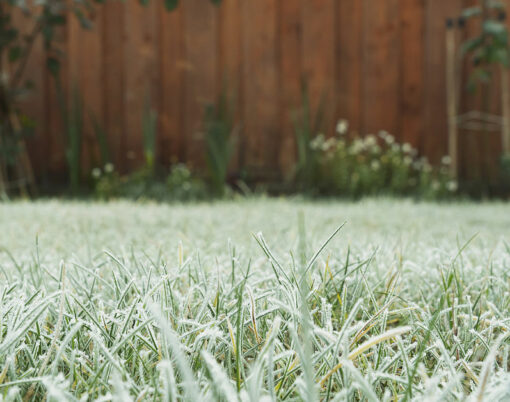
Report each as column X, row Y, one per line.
column 180, row 184
column 376, row 165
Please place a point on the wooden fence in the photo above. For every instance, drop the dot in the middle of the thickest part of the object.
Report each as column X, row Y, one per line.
column 379, row 63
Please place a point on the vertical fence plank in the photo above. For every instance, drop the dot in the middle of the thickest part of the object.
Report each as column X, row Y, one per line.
column 382, row 64
column 141, row 74
column 504, row 140
column 412, row 14
column 230, row 67
column 318, row 18
column 434, row 141
column 349, row 62
column 260, row 71
column 113, row 84
column 32, row 103
column 57, row 165
column 471, row 142
column 201, row 72
column 381, row 70
column 90, row 86
column 171, row 139
column 290, row 77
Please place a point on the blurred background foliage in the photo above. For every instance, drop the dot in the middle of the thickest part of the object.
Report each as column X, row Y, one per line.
column 328, row 162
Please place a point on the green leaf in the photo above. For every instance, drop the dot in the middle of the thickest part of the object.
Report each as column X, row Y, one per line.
column 471, row 44
column 84, row 21
column 8, row 35
column 216, row 2
column 471, row 12
column 14, row 53
column 492, row 27
column 29, row 85
column 171, row 4
column 53, row 65
column 503, row 57
column 47, row 32
column 57, row 19
column 144, row 2
column 496, row 5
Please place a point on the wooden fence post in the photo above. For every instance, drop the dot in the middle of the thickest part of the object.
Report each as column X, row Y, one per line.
column 451, row 98
column 505, row 104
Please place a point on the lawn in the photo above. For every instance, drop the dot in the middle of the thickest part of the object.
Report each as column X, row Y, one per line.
column 254, row 300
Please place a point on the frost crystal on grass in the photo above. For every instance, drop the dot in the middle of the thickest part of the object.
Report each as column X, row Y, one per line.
column 403, row 303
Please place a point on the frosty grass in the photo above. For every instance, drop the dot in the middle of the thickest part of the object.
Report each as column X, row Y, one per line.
column 249, row 300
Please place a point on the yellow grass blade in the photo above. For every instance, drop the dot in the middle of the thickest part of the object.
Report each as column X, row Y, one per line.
column 365, row 346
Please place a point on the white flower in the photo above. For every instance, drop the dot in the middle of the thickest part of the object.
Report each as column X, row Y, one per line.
column 375, row 165
column 370, row 141
column 387, row 137
column 407, row 160
column 96, row 173
column 407, row 148
column 446, row 160
column 357, row 146
column 342, row 126
column 452, row 186
column 108, row 168
column 425, row 164
column 328, row 144
column 316, row 143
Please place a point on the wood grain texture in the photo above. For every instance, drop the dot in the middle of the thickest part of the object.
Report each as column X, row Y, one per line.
column 90, row 84
column 229, row 74
column 33, row 101
column 434, row 140
column 380, row 63
column 200, row 38
column 260, row 81
column 113, row 83
column 141, row 74
column 412, row 21
column 290, row 53
column 349, row 55
column 381, row 67
column 57, row 163
column 171, row 140
column 472, row 143
column 318, row 43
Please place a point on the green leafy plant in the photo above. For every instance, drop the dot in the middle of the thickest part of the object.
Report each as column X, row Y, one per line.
column 182, row 185
column 490, row 46
column 149, row 133
column 488, row 52
column 505, row 173
column 376, row 165
column 307, row 126
column 219, row 128
column 179, row 185
column 101, row 138
column 16, row 45
column 72, row 117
